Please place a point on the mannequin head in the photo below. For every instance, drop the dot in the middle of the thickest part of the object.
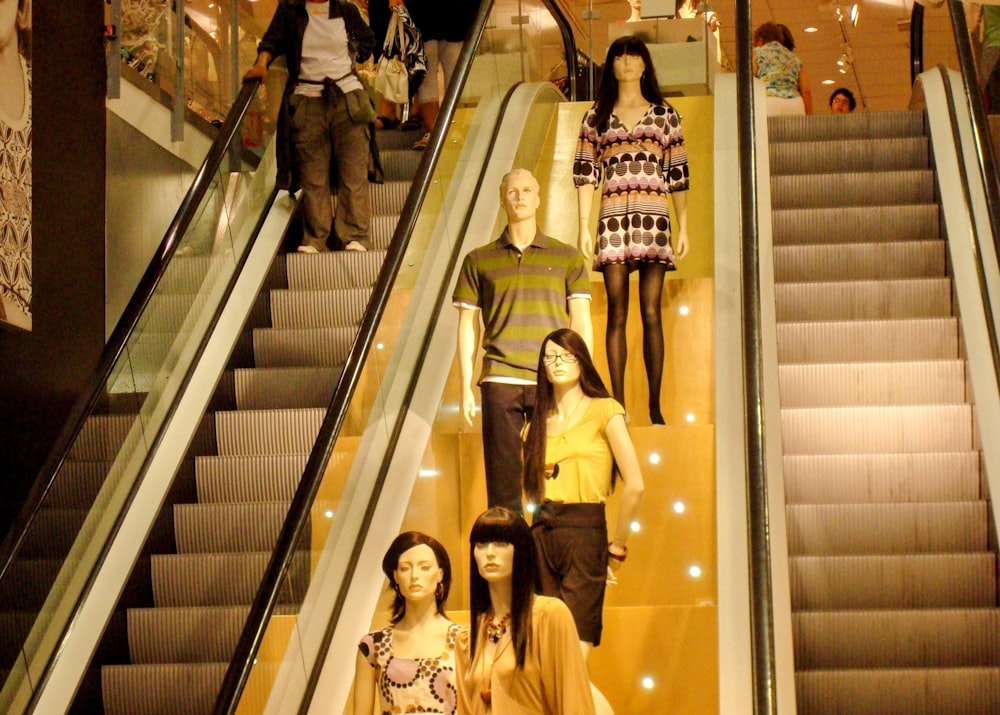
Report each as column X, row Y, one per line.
column 519, row 195
column 404, row 558
column 607, row 91
column 635, row 8
column 505, row 530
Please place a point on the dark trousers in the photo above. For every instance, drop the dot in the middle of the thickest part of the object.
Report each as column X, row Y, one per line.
column 506, row 411
column 572, row 542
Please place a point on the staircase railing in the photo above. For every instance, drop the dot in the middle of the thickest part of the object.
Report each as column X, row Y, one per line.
column 294, row 529
column 142, row 369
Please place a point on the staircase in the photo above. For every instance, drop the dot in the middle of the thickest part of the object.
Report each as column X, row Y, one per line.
column 248, row 460
column 893, row 577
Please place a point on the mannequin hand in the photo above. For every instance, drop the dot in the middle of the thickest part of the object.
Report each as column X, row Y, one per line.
column 468, row 405
column 612, row 576
column 681, row 244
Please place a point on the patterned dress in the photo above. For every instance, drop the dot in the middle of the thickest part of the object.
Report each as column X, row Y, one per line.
column 421, row 685
column 639, row 167
column 15, row 203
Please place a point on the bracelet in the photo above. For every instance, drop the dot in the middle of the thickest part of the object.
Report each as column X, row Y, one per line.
column 618, row 557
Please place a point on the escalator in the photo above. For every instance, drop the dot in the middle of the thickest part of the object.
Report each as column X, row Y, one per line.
column 229, row 377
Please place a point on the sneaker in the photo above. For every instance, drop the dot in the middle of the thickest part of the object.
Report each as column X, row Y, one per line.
column 307, row 249
column 355, row 246
column 422, row 142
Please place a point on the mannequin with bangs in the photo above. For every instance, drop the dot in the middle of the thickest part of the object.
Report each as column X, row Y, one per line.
column 607, row 91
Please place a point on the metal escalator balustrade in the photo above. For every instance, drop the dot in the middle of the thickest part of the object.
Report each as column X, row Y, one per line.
column 51, row 556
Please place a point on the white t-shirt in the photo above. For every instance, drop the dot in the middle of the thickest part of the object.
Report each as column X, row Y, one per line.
column 325, row 52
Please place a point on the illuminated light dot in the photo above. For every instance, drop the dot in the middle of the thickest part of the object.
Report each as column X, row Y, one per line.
column 530, row 507
column 635, row 526
column 679, row 507
column 684, row 310
column 694, row 571
column 648, row 683
column 427, row 472
column 328, row 513
column 654, row 458
column 811, row 29
column 689, row 417
column 379, row 346
column 828, row 81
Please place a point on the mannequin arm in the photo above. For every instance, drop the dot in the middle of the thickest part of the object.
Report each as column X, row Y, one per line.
column 580, row 321
column 584, row 200
column 364, row 687
column 468, row 345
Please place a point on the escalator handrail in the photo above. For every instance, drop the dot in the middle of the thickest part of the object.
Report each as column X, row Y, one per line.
column 982, row 137
column 268, row 594
column 762, row 647
column 93, row 392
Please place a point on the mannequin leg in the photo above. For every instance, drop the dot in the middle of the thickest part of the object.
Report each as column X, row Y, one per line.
column 601, row 704
column 615, row 342
column 650, row 294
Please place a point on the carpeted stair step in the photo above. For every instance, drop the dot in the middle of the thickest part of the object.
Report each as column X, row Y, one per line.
column 318, row 308
column 842, row 155
column 884, row 188
column 228, row 528
column 848, row 224
column 901, row 477
column 306, row 347
column 818, row 127
column 872, row 383
column 334, row 269
column 864, row 300
column 161, row 689
column 935, row 638
column 285, row 387
column 388, row 198
column 899, row 691
column 220, row 579
column 859, row 261
column 267, row 432
column 883, row 529
column 876, row 340
column 963, row 580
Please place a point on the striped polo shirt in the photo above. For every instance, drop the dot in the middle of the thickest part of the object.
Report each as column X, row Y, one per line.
column 523, row 297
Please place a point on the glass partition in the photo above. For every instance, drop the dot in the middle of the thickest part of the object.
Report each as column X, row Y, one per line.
column 521, row 43
column 89, row 490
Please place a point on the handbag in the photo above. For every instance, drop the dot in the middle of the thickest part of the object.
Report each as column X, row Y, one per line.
column 403, row 62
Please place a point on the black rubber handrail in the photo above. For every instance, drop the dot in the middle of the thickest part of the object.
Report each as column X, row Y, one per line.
column 94, row 391
column 764, row 681
column 268, row 594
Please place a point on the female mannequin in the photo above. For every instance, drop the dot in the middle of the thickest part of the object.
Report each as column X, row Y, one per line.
column 577, row 445
column 522, row 654
column 633, row 142
column 411, row 664
column 635, row 7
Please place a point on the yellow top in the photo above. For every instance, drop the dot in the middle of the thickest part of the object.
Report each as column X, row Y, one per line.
column 583, row 455
column 554, row 680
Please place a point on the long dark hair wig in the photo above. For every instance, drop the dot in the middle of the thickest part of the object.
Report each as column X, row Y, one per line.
column 607, row 91
column 390, row 562
column 501, row 525
column 592, row 386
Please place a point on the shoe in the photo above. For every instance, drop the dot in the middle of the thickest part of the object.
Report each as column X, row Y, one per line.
column 382, row 122
column 355, row 246
column 422, row 142
column 414, row 122
column 307, row 249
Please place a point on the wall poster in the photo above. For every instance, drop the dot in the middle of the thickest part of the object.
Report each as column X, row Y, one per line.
column 15, row 163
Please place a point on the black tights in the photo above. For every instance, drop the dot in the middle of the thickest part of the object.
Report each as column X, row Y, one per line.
column 650, row 291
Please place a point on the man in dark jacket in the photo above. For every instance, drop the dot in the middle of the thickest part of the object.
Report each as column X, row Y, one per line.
column 325, row 114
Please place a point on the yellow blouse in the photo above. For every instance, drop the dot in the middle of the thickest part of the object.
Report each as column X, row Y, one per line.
column 554, row 679
column 584, row 456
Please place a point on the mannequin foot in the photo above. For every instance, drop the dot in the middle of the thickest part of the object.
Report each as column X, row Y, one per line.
column 656, row 417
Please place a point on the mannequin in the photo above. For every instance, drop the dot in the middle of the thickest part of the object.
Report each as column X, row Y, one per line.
column 630, row 123
column 522, row 652
column 410, row 665
column 576, row 446
column 635, row 7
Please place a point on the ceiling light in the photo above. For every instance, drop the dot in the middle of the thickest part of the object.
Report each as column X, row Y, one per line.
column 811, row 29
column 855, row 14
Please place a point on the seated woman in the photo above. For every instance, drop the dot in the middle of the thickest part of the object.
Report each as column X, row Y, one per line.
column 786, row 81
column 522, row 654
column 411, row 663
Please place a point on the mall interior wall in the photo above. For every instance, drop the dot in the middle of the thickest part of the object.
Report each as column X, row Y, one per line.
column 43, row 371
